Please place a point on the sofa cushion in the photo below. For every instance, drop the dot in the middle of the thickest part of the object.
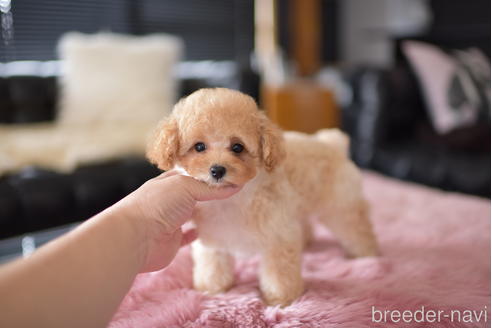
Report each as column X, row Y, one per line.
column 46, row 198
column 32, row 97
column 11, row 218
column 456, row 87
column 111, row 78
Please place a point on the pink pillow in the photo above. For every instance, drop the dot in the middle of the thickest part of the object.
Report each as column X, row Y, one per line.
column 456, row 88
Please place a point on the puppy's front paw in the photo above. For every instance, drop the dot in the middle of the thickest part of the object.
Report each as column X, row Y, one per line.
column 218, row 283
column 213, row 269
column 284, row 295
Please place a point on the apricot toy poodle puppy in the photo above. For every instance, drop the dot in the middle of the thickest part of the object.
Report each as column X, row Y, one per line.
column 219, row 136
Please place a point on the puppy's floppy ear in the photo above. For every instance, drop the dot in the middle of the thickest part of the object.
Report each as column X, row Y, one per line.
column 272, row 144
column 163, row 145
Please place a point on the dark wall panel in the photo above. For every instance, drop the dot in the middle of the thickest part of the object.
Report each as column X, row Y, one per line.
column 211, row 29
column 461, row 24
column 39, row 24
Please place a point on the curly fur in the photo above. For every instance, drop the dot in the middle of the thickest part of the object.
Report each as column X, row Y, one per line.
column 287, row 179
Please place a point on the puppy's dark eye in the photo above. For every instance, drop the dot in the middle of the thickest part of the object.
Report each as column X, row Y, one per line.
column 237, row 148
column 200, row 146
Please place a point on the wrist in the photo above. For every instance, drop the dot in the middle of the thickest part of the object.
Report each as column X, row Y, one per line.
column 131, row 228
column 152, row 236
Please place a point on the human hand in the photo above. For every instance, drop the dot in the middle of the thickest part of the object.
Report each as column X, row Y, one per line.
column 99, row 259
column 160, row 207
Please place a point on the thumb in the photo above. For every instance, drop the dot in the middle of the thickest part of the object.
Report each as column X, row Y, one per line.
column 200, row 191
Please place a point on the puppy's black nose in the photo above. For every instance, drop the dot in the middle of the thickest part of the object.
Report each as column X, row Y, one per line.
column 217, row 171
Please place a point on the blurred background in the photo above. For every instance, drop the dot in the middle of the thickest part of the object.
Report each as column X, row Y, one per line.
column 408, row 80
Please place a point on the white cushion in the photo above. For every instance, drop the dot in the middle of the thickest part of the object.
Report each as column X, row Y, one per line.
column 110, row 77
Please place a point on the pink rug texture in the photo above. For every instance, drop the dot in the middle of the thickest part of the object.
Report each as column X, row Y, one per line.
column 434, row 272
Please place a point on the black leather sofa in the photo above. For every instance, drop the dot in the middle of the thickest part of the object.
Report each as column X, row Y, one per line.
column 399, row 143
column 391, row 133
column 36, row 199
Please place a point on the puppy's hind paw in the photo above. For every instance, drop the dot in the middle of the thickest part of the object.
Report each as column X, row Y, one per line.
column 283, row 297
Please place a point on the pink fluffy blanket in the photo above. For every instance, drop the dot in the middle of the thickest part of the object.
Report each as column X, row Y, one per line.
column 434, row 272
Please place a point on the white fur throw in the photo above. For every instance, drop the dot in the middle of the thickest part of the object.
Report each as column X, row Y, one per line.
column 109, row 77
column 113, row 91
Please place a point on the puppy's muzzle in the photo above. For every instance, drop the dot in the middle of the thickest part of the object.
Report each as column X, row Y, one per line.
column 217, row 172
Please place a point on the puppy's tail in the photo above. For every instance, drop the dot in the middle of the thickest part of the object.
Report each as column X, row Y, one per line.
column 336, row 138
